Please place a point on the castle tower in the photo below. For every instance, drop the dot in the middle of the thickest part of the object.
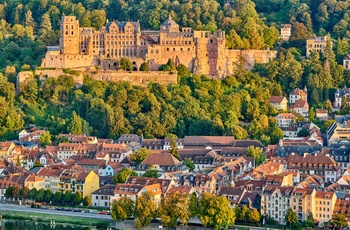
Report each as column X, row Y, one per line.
column 169, row 26
column 69, row 37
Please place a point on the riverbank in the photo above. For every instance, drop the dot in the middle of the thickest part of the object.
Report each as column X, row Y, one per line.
column 89, row 222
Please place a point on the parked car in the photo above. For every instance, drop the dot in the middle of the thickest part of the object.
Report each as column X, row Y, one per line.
column 102, row 213
column 94, row 212
column 87, row 211
column 76, row 210
column 68, row 209
column 59, row 209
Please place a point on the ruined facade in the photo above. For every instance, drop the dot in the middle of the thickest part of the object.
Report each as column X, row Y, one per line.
column 201, row 51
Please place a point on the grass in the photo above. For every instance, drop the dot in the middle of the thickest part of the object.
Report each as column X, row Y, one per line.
column 57, row 218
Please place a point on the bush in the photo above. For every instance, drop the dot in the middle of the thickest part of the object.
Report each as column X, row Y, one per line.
column 71, row 72
column 144, row 67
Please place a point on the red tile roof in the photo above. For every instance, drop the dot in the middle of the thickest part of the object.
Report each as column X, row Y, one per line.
column 276, row 99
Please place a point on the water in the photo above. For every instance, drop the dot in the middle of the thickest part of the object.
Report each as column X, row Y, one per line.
column 31, row 225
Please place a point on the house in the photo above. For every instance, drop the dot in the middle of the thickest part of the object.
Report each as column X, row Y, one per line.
column 163, row 160
column 285, row 119
column 324, row 206
column 233, row 195
column 286, row 31
column 339, row 131
column 129, row 138
column 102, row 196
column 51, row 177
column 346, row 62
column 298, row 94
column 208, row 142
column 6, row 148
column 338, row 95
column 133, row 191
column 342, row 207
column 34, row 181
column 279, row 102
column 315, row 44
column 275, row 202
column 184, row 190
column 290, row 132
column 312, row 181
column 79, row 138
column 319, row 164
column 322, row 114
column 300, row 107
column 79, row 180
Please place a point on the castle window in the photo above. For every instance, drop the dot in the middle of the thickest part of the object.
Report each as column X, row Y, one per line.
column 180, row 49
column 67, row 27
column 72, row 32
column 72, row 27
column 173, row 49
column 66, row 32
column 167, row 49
column 189, row 49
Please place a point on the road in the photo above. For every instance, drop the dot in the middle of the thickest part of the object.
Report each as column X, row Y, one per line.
column 9, row 207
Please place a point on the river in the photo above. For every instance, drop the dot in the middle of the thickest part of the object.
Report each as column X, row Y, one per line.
column 31, row 225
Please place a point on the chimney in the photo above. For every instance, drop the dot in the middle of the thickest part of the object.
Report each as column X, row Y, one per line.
column 305, row 154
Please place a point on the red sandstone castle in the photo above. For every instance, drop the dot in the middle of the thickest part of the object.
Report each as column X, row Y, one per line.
column 201, row 51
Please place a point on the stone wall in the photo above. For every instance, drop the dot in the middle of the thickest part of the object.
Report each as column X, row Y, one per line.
column 136, row 78
column 43, row 74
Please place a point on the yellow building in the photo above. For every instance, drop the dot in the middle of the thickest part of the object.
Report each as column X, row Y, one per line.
column 315, row 44
column 6, row 148
column 321, row 204
column 324, row 206
column 34, row 181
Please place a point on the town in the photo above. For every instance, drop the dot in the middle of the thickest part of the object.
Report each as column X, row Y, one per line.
column 176, row 114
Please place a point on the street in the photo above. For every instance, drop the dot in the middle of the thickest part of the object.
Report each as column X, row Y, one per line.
column 8, row 207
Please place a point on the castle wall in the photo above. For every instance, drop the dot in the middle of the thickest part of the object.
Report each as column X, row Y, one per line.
column 53, row 59
column 43, row 74
column 136, row 78
column 180, row 54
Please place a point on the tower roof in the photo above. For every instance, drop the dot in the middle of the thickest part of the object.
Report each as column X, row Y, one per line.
column 169, row 21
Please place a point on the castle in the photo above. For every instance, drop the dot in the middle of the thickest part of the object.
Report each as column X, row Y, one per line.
column 201, row 51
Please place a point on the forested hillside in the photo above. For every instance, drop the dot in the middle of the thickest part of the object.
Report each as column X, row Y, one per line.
column 194, row 106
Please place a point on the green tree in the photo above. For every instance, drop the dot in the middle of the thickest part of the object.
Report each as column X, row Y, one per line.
column 139, row 155
column 48, row 195
column 40, row 195
column 171, row 64
column 174, row 209
column 125, row 64
column 244, row 215
column 87, row 201
column 339, row 220
column 310, row 222
column 37, row 164
column 98, row 18
column 144, row 66
column 173, row 149
column 76, row 124
column 145, row 210
column 254, row 216
column 257, row 153
column 189, row 163
column 32, row 193
column 215, row 212
column 122, row 208
column 9, row 192
column 123, row 175
column 68, row 197
column 182, row 70
column 193, row 205
column 77, row 198
column 291, row 217
column 25, row 192
column 45, row 139
column 152, row 172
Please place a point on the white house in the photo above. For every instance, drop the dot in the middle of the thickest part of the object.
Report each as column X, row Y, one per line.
column 285, row 119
